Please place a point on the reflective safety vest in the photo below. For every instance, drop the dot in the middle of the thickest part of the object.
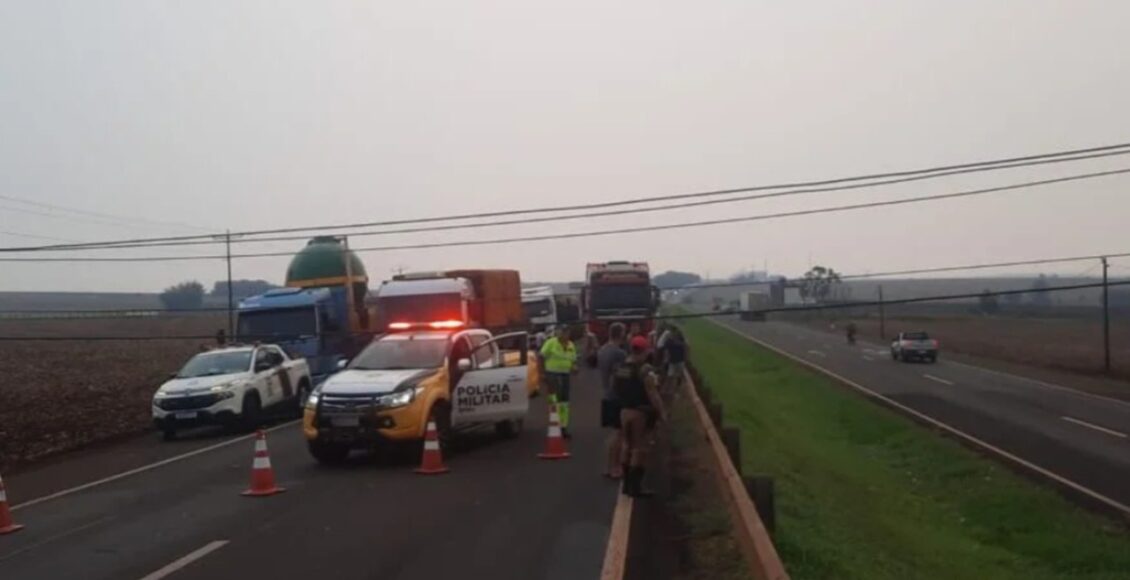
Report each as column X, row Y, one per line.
column 558, row 358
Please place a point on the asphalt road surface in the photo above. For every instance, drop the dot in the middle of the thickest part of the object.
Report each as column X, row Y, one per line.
column 1072, row 434
column 501, row 512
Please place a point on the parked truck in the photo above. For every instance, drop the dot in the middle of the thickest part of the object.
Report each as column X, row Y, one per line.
column 540, row 306
column 321, row 314
column 490, row 299
column 618, row 291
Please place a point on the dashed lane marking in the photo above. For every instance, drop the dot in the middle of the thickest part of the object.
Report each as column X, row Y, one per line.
column 186, row 560
column 817, row 353
column 1098, row 428
column 939, row 380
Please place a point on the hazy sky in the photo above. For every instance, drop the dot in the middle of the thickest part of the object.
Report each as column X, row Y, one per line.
column 244, row 115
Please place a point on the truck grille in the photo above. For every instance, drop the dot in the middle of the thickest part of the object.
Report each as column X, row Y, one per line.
column 190, row 402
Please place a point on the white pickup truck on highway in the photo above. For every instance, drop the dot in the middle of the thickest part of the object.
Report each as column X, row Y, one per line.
column 233, row 387
column 914, row 345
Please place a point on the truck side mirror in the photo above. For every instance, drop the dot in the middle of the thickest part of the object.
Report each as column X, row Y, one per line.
column 464, row 364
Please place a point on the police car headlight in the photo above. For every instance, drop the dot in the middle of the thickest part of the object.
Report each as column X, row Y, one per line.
column 399, row 398
column 224, row 391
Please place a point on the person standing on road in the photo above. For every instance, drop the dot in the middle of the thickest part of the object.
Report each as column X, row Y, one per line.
column 635, row 384
column 610, row 356
column 559, row 363
column 675, row 352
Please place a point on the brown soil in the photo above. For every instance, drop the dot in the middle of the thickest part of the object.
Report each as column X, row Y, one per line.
column 59, row 395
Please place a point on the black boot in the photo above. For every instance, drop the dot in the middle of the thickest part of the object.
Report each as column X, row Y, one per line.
column 638, row 490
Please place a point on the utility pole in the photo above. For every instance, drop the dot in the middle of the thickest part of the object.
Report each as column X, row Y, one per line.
column 353, row 318
column 1106, row 315
column 231, row 291
column 882, row 316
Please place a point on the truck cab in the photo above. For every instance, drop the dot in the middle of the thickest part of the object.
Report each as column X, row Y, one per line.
column 311, row 323
column 457, row 377
column 540, row 306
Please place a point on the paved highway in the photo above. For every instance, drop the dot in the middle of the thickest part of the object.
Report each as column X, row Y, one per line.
column 500, row 513
column 1075, row 435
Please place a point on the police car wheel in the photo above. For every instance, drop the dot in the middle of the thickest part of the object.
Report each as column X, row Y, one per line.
column 168, row 434
column 251, row 412
column 509, row 429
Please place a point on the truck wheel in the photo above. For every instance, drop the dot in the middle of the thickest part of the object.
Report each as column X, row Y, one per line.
column 933, row 359
column 303, row 394
column 894, row 355
column 328, row 453
column 509, row 429
column 252, row 411
column 168, row 434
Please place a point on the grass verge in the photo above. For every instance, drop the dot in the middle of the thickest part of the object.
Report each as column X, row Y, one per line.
column 865, row 493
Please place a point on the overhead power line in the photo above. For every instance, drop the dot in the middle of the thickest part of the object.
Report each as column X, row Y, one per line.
column 1077, row 154
column 99, row 217
column 617, row 231
column 33, row 236
column 607, row 213
column 810, row 307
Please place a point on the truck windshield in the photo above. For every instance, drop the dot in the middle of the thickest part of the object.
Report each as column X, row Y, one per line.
column 216, row 363
column 271, row 323
column 538, row 308
column 419, row 308
column 915, row 336
column 386, row 355
column 613, row 297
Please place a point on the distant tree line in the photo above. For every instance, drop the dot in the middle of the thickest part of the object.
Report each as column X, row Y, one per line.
column 190, row 295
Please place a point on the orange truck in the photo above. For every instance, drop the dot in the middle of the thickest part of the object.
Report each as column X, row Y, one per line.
column 489, row 299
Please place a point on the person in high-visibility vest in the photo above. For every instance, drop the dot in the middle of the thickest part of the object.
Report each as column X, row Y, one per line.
column 559, row 363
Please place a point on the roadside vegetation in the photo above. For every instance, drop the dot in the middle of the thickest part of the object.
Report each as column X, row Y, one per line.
column 865, row 493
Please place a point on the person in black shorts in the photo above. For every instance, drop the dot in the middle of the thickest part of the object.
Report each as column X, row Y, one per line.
column 610, row 356
column 637, row 390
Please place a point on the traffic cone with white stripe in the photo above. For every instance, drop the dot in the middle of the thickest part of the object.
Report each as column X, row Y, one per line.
column 7, row 526
column 554, row 442
column 262, row 475
column 432, row 461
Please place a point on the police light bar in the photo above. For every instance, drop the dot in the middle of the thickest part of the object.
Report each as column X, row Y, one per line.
column 437, row 325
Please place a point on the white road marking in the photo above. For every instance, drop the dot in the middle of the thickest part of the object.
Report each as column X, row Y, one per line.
column 817, row 353
column 939, row 380
column 186, row 560
column 867, row 358
column 1093, row 426
column 145, row 468
column 1109, row 502
column 1044, row 384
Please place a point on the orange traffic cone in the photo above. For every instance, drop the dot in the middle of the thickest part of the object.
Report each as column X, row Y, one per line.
column 262, row 475
column 432, row 462
column 554, row 443
column 7, row 526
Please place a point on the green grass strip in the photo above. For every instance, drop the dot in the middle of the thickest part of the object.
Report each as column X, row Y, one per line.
column 865, row 493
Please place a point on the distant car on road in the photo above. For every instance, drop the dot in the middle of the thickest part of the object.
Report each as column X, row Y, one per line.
column 908, row 346
column 233, row 387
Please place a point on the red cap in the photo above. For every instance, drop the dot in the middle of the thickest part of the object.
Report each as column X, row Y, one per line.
column 639, row 343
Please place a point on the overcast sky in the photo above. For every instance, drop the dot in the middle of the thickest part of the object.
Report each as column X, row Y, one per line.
column 245, row 115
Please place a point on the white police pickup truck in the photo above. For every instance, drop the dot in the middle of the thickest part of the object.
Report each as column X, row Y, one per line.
column 233, row 387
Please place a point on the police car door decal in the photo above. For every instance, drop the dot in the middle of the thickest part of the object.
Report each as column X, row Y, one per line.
column 490, row 395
